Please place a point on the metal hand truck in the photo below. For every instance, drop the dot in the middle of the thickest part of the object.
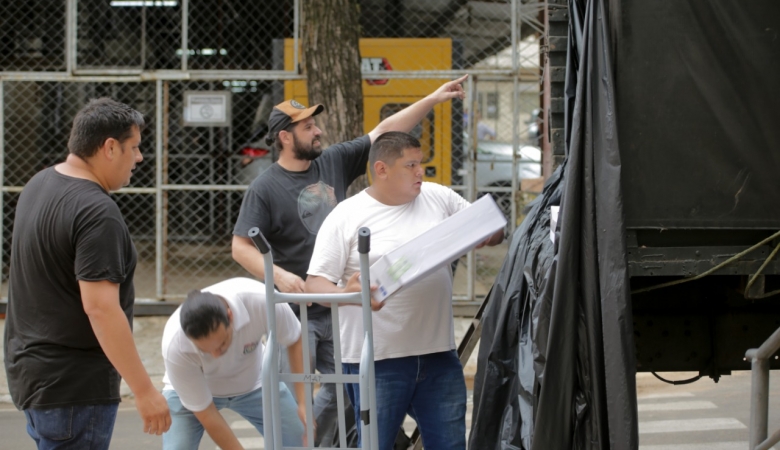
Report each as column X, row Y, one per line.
column 272, row 429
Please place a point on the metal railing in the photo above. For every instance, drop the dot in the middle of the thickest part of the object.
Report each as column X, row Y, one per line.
column 759, row 393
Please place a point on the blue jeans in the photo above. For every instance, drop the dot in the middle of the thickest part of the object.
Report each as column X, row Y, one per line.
column 321, row 358
column 87, row 427
column 430, row 388
column 186, row 430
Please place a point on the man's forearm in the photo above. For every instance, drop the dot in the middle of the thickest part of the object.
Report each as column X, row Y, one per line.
column 109, row 323
column 248, row 256
column 409, row 117
column 219, row 431
column 295, row 353
column 406, row 119
column 321, row 285
column 100, row 300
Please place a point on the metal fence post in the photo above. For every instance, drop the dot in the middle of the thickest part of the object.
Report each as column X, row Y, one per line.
column 471, row 195
column 185, row 24
column 158, row 172
column 2, row 173
column 296, row 35
column 71, row 37
column 515, row 33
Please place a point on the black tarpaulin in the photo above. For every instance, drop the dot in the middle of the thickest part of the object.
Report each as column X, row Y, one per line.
column 556, row 367
column 698, row 92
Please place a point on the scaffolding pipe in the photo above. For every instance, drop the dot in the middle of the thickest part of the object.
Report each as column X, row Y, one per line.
column 759, row 392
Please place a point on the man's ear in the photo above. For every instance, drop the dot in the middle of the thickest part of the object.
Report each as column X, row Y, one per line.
column 107, row 149
column 286, row 137
column 380, row 169
column 229, row 315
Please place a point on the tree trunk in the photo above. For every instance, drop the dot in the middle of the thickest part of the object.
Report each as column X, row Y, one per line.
column 331, row 63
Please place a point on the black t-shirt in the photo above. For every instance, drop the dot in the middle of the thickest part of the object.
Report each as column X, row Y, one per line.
column 66, row 229
column 289, row 207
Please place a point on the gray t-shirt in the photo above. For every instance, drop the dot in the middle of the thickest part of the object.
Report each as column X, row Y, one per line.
column 289, row 207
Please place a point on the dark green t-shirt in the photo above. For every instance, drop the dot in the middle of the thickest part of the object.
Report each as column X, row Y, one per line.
column 289, row 207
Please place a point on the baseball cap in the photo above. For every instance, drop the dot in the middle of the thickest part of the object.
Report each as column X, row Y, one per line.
column 287, row 112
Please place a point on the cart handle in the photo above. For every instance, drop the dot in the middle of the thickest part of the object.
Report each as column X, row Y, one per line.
column 364, row 240
column 259, row 240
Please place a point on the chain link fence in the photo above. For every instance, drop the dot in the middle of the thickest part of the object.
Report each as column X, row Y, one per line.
column 186, row 194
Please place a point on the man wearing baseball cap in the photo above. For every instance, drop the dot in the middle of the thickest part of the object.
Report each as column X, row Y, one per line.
column 290, row 200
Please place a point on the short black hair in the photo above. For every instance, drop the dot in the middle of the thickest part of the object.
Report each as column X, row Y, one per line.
column 202, row 313
column 390, row 146
column 100, row 119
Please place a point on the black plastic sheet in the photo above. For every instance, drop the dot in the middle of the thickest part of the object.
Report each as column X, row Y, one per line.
column 556, row 367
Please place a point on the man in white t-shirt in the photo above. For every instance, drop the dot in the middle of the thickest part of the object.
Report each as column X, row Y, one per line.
column 213, row 352
column 417, row 367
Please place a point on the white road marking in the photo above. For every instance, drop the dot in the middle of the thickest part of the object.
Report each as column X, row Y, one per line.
column 674, row 426
column 242, row 425
column 252, row 442
column 667, row 395
column 708, row 446
column 676, row 406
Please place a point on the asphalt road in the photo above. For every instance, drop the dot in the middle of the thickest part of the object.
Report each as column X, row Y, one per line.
column 699, row 416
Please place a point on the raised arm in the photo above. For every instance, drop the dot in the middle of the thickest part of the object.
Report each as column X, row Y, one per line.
column 246, row 254
column 409, row 117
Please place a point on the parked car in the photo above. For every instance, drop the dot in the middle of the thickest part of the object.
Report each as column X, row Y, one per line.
column 494, row 168
column 494, row 163
column 256, row 157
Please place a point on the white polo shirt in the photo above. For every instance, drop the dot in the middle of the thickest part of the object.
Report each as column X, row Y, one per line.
column 198, row 377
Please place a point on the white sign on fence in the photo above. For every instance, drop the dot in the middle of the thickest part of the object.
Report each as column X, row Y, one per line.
column 207, row 108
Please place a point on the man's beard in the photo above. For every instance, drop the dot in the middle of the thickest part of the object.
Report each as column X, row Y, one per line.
column 305, row 152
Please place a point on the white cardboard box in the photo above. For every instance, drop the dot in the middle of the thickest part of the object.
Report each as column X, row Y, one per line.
column 436, row 247
column 553, row 221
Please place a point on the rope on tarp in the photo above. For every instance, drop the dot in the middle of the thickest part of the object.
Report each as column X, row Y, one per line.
column 725, row 263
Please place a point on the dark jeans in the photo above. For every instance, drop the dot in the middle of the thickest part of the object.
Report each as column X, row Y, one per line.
column 430, row 388
column 84, row 427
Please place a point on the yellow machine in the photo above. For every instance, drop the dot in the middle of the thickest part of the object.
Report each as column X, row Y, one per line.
column 383, row 97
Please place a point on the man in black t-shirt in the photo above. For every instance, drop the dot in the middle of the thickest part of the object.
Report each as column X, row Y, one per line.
column 70, row 290
column 290, row 200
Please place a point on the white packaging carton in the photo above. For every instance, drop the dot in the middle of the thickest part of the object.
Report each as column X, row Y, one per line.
column 436, row 247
